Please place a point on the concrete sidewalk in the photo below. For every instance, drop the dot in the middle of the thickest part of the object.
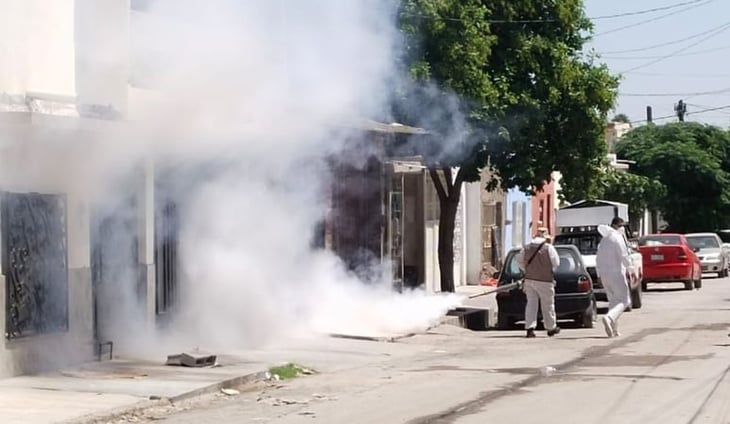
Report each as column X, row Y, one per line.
column 111, row 387
column 103, row 389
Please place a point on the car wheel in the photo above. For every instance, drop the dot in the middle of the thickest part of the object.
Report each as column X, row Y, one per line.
column 644, row 285
column 588, row 319
column 688, row 285
column 698, row 283
column 505, row 322
column 636, row 298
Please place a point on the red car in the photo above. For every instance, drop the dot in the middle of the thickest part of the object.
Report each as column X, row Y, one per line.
column 668, row 258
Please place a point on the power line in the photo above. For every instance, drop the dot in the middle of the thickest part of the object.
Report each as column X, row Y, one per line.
column 676, row 52
column 668, row 43
column 701, row 93
column 654, row 19
column 709, row 107
column 712, row 109
column 662, row 118
column 695, row 53
column 679, row 75
column 645, row 11
column 542, row 21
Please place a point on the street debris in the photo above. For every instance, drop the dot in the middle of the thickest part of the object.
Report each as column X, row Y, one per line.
column 285, row 402
column 287, row 371
column 230, row 392
column 187, row 359
column 547, row 371
column 308, row 413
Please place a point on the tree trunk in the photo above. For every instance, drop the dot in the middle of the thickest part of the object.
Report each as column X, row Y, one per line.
column 449, row 197
column 447, row 222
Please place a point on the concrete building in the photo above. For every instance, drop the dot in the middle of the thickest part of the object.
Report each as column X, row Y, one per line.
column 66, row 259
column 517, row 219
column 544, row 204
column 613, row 133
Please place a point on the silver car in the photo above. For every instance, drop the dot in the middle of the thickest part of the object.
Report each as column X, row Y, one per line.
column 712, row 254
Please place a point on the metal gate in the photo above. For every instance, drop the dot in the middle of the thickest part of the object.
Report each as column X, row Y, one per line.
column 166, row 254
column 114, row 260
column 34, row 262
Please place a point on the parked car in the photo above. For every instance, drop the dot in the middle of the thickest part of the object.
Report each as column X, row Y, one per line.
column 713, row 256
column 670, row 258
column 587, row 241
column 574, row 298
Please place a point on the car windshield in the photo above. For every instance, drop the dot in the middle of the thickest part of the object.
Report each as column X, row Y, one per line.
column 570, row 263
column 703, row 242
column 659, row 240
column 587, row 244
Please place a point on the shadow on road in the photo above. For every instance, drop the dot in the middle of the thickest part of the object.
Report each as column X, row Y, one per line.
column 665, row 289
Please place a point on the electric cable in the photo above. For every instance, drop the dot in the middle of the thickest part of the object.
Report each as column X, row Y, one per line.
column 699, row 112
column 656, row 18
column 676, row 52
column 695, row 94
column 692, row 4
column 695, row 53
column 667, row 43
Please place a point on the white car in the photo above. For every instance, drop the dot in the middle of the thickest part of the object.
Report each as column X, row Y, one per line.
column 711, row 252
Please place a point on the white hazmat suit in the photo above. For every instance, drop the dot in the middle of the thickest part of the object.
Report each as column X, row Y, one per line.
column 613, row 260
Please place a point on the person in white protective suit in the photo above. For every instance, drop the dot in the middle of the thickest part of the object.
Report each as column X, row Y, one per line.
column 612, row 262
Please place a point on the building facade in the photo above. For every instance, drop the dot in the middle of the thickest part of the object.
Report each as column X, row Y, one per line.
column 518, row 212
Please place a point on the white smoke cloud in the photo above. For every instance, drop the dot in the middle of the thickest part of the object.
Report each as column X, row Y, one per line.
column 248, row 98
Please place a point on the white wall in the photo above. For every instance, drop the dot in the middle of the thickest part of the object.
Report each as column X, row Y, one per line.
column 37, row 47
column 102, row 56
column 473, row 236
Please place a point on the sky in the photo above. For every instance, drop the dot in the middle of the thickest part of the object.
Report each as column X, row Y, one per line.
column 696, row 70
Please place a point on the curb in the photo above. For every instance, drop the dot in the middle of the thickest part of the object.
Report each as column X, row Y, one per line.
column 144, row 405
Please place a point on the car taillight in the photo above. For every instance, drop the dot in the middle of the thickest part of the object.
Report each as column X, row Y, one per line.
column 584, row 284
column 682, row 257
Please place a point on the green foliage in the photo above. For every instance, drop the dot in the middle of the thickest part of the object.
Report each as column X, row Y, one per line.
column 621, row 117
column 692, row 161
column 289, row 371
column 638, row 191
column 531, row 102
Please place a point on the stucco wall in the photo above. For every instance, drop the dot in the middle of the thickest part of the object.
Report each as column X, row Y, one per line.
column 517, row 214
column 37, row 47
column 53, row 350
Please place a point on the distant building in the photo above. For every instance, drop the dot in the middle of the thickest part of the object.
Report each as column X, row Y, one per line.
column 613, row 133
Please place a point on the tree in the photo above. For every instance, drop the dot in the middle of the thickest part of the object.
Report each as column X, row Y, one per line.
column 505, row 85
column 621, row 117
column 693, row 161
column 638, row 191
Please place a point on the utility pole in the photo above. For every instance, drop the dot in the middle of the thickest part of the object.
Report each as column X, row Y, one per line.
column 681, row 109
column 648, row 115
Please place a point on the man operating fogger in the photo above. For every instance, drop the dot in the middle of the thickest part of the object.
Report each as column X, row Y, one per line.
column 613, row 260
column 538, row 260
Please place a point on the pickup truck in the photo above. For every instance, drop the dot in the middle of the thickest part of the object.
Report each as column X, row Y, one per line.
column 586, row 239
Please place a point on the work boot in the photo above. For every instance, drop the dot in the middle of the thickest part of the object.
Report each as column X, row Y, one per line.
column 530, row 333
column 608, row 325
column 553, row 332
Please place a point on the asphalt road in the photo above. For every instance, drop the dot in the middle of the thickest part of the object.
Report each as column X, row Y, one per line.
column 670, row 365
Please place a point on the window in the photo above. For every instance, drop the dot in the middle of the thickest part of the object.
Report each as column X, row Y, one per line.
column 586, row 243
column 659, row 240
column 703, row 242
